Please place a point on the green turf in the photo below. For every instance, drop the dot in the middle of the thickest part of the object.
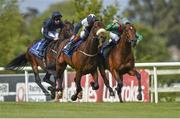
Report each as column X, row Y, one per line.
column 88, row 110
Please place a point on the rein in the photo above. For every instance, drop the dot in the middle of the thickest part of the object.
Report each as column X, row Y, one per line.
column 89, row 55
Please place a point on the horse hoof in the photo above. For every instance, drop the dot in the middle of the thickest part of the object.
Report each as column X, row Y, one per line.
column 59, row 95
column 139, row 96
column 52, row 96
column 112, row 93
column 94, row 87
column 50, row 88
column 120, row 99
column 73, row 97
column 79, row 96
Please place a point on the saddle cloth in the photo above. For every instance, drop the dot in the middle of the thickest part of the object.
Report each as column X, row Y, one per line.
column 36, row 49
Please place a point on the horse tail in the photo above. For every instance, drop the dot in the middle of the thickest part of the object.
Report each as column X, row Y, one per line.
column 17, row 63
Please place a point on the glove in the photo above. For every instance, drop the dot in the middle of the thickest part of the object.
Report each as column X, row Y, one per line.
column 115, row 21
column 56, row 38
column 74, row 37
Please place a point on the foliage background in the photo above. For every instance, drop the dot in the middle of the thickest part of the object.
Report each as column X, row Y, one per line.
column 157, row 21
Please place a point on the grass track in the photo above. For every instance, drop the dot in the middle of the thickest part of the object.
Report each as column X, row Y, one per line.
column 89, row 110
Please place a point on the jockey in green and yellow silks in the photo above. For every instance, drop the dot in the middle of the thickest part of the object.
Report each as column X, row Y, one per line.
column 115, row 30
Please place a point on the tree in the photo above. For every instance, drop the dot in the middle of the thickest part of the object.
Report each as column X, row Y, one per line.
column 162, row 15
column 72, row 11
column 11, row 35
column 156, row 18
column 152, row 48
column 85, row 7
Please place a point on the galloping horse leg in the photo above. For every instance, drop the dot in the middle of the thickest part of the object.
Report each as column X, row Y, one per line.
column 59, row 80
column 53, row 88
column 78, row 93
column 95, row 85
column 53, row 84
column 138, row 76
column 119, row 80
column 47, row 79
column 106, row 81
column 38, row 80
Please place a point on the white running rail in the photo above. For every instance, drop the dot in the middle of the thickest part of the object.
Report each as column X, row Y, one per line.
column 153, row 73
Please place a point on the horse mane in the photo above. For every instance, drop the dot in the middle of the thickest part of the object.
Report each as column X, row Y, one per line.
column 123, row 39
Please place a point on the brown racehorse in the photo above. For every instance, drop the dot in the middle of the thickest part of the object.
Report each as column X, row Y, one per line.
column 49, row 65
column 121, row 60
column 84, row 60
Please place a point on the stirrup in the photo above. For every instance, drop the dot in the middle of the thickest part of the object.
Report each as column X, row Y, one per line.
column 44, row 62
column 66, row 48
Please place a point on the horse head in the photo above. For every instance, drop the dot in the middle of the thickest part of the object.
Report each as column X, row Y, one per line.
column 98, row 30
column 67, row 30
column 130, row 32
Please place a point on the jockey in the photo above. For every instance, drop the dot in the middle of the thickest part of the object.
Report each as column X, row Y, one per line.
column 86, row 25
column 49, row 29
column 115, row 30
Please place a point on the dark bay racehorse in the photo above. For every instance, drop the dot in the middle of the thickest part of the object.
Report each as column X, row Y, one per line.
column 121, row 60
column 49, row 65
column 84, row 60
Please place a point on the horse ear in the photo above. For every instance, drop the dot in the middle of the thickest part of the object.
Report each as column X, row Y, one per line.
column 65, row 20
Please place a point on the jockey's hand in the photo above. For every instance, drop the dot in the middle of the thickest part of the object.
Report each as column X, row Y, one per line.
column 56, row 38
column 74, row 37
column 115, row 21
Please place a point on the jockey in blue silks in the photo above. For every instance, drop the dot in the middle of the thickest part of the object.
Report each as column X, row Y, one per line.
column 49, row 29
column 86, row 25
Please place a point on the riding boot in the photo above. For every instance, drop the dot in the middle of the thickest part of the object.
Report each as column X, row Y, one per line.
column 68, row 46
column 105, row 45
column 43, row 49
column 108, row 46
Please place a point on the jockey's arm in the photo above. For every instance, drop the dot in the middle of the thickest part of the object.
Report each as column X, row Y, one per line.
column 77, row 27
column 46, row 30
column 45, row 33
column 112, row 27
column 109, row 27
column 61, row 25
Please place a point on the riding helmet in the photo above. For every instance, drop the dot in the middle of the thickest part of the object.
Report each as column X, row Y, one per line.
column 56, row 14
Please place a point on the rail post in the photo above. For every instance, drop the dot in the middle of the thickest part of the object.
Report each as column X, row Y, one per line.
column 155, row 84
column 87, row 88
column 66, row 85
column 26, row 84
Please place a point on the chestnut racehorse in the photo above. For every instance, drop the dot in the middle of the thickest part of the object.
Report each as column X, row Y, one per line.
column 84, row 60
column 121, row 60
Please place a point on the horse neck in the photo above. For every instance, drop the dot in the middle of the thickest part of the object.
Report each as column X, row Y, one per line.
column 124, row 45
column 62, row 34
column 91, row 44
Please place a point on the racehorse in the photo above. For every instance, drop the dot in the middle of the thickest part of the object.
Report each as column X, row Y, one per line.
column 84, row 60
column 49, row 64
column 120, row 60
